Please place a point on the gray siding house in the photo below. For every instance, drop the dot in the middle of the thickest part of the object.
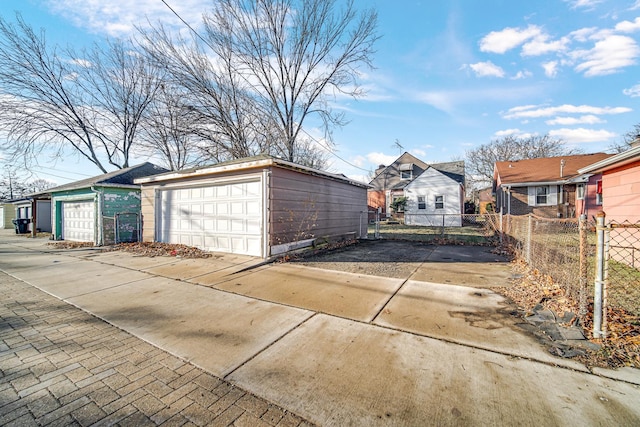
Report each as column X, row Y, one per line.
column 260, row 206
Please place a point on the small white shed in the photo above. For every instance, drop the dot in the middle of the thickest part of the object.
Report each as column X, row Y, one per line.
column 433, row 199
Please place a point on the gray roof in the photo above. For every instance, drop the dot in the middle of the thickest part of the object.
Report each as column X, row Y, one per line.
column 120, row 177
column 454, row 170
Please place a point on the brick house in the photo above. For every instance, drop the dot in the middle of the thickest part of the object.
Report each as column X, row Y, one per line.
column 548, row 187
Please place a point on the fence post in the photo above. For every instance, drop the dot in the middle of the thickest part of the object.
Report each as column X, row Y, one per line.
column 377, row 233
column 599, row 281
column 501, row 229
column 442, row 233
column 584, row 268
column 528, row 242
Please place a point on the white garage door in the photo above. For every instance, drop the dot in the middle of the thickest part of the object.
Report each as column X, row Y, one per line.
column 78, row 223
column 225, row 217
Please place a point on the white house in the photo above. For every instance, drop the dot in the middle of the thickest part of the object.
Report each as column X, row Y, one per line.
column 434, row 198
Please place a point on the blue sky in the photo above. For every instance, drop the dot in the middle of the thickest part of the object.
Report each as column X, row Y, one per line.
column 449, row 76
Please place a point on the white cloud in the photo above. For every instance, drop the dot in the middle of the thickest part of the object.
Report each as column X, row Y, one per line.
column 81, row 62
column 522, row 75
column 633, row 91
column 608, row 56
column 589, row 119
column 380, row 158
column 508, row 38
column 580, row 135
column 443, row 101
column 628, row 26
column 487, row 69
column 418, row 152
column 585, row 4
column 513, row 132
column 535, row 111
column 507, row 132
column 550, row 68
column 541, row 46
column 118, row 18
column 583, row 34
column 359, row 161
column 636, row 5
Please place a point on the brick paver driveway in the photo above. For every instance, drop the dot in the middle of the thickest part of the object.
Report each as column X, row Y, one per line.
column 62, row 366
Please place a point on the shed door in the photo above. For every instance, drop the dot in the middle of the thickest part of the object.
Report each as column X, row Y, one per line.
column 78, row 221
column 225, row 217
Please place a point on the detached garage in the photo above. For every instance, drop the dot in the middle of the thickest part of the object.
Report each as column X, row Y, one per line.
column 101, row 210
column 260, row 206
column 7, row 214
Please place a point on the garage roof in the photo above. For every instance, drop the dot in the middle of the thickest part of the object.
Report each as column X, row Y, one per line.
column 247, row 163
column 119, row 178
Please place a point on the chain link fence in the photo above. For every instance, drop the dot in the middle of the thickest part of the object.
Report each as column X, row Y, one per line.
column 567, row 250
column 447, row 228
column 560, row 248
column 596, row 271
column 624, row 266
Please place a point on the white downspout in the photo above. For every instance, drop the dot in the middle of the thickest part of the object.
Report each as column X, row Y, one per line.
column 98, row 223
column 266, row 212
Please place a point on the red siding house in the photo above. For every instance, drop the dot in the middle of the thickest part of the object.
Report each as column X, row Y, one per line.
column 548, row 187
column 619, row 188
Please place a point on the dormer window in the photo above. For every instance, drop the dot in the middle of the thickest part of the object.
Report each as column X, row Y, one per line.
column 406, row 171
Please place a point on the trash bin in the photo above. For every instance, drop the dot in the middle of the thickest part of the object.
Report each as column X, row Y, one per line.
column 22, row 225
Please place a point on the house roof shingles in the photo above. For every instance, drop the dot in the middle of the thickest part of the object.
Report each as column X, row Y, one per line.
column 544, row 169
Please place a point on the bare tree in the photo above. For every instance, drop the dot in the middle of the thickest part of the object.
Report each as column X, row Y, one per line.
column 166, row 130
column 628, row 138
column 480, row 161
column 119, row 84
column 216, row 100
column 263, row 68
column 41, row 104
column 90, row 104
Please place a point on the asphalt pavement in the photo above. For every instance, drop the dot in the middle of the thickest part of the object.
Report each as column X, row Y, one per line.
column 332, row 348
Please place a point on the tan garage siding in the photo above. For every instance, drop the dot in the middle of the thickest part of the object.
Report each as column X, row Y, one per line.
column 147, row 208
column 304, row 206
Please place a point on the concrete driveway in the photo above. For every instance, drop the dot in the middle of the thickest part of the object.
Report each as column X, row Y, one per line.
column 336, row 348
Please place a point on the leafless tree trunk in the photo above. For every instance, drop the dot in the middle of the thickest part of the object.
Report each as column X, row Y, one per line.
column 120, row 84
column 263, row 68
column 294, row 53
column 90, row 103
column 41, row 104
column 166, row 130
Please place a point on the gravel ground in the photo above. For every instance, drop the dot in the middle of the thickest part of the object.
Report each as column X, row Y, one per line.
column 386, row 258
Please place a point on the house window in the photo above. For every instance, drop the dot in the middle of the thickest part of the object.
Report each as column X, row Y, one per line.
column 439, row 202
column 580, row 191
column 599, row 192
column 542, row 193
column 422, row 203
column 406, row 171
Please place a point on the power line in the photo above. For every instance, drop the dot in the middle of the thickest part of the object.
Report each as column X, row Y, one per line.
column 186, row 23
column 332, row 152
